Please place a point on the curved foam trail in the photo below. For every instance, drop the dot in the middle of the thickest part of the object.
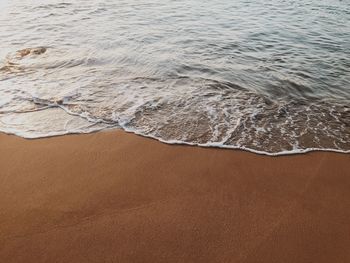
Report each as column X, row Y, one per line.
column 216, row 145
column 206, row 113
column 175, row 142
column 89, row 126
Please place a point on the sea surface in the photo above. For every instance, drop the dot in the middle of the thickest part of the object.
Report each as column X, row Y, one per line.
column 271, row 77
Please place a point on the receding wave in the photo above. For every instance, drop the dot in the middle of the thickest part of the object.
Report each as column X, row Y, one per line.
column 201, row 112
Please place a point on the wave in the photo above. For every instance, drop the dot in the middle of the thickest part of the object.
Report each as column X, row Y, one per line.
column 213, row 73
column 200, row 112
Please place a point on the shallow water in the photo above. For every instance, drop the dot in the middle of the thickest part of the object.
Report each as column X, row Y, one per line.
column 267, row 76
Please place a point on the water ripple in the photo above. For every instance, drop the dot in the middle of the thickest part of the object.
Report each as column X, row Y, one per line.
column 271, row 77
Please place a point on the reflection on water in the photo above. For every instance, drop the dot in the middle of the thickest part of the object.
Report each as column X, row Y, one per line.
column 271, row 77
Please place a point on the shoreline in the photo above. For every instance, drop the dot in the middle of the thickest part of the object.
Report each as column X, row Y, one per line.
column 113, row 196
column 189, row 144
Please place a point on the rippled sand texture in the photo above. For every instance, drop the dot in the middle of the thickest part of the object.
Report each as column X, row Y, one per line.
column 270, row 77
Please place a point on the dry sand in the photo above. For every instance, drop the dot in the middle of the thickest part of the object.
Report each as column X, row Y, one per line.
column 118, row 197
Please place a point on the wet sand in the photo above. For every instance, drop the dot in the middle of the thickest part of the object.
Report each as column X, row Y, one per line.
column 118, row 197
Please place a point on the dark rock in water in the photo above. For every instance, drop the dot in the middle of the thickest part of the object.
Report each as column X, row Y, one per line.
column 31, row 51
column 23, row 52
column 38, row 51
column 10, row 67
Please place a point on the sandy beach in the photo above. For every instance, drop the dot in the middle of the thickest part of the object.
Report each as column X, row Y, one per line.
column 117, row 197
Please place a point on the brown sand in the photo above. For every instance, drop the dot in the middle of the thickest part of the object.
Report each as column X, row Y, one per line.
column 117, row 197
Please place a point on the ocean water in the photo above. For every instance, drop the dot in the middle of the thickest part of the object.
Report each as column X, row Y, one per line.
column 271, row 77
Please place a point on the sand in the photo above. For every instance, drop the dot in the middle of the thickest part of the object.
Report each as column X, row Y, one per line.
column 118, row 197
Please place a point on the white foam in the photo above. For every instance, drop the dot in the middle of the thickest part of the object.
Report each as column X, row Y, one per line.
column 232, row 147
